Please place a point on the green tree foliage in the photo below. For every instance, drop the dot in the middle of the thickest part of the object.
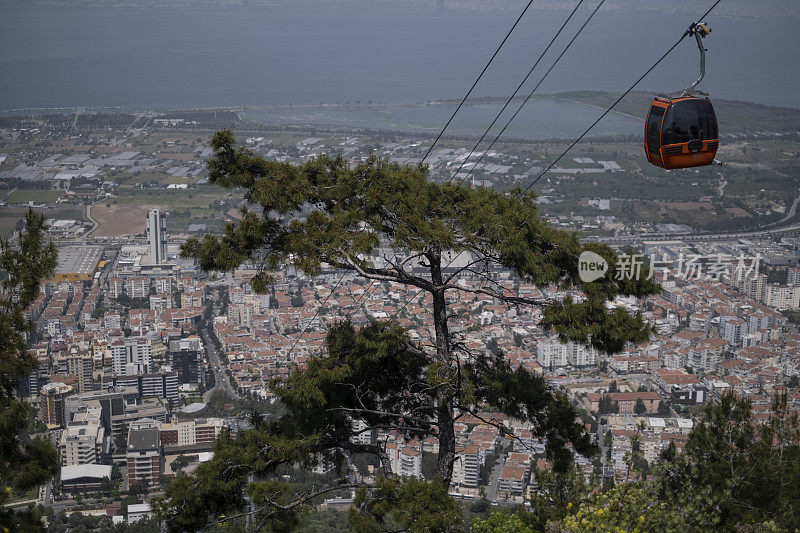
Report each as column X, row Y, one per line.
column 605, row 406
column 734, row 475
column 752, row 469
column 501, row 523
column 140, row 487
column 79, row 523
column 24, row 462
column 640, row 407
column 638, row 506
column 416, row 506
column 326, row 212
column 555, row 496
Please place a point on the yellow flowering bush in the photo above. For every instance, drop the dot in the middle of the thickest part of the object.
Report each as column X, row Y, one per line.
column 637, row 507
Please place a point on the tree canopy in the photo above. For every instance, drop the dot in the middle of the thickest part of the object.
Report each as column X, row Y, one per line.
column 327, row 212
column 390, row 223
column 24, row 462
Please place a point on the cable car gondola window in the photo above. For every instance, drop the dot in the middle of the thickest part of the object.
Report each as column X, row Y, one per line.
column 654, row 128
column 708, row 119
column 681, row 124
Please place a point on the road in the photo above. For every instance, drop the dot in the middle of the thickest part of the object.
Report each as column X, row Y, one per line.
column 638, row 239
column 789, row 215
column 221, row 381
column 93, row 221
column 494, row 479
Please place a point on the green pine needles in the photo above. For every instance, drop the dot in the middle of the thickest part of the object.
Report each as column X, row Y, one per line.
column 326, row 212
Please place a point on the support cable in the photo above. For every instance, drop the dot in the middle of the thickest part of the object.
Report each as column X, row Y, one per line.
column 463, row 100
column 518, row 89
column 316, row 313
column 530, row 95
column 607, row 111
column 420, row 291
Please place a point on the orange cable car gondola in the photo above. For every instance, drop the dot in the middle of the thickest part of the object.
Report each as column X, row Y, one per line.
column 681, row 128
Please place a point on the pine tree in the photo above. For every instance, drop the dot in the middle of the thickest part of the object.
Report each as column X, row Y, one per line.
column 326, row 212
column 24, row 462
column 639, row 408
column 753, row 470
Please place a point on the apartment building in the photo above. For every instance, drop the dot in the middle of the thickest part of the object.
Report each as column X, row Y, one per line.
column 51, row 403
column 511, row 485
column 466, row 470
column 84, row 444
column 144, row 456
column 409, row 462
column 190, row 432
column 131, row 356
column 81, row 364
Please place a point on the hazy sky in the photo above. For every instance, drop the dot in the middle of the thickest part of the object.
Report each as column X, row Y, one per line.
column 300, row 54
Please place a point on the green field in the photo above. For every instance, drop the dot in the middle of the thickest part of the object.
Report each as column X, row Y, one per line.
column 178, row 199
column 8, row 220
column 23, row 196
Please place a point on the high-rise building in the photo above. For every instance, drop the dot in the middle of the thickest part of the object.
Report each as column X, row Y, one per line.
column 161, row 385
column 152, row 409
column 793, row 276
column 157, row 236
column 51, row 403
column 186, row 358
column 466, row 469
column 552, row 353
column 782, row 297
column 581, row 356
column 81, row 364
column 190, row 432
column 144, row 456
column 110, row 403
column 131, row 356
column 84, row 444
column 409, row 462
column 732, row 329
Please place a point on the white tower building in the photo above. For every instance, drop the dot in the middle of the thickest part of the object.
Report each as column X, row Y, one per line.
column 157, row 235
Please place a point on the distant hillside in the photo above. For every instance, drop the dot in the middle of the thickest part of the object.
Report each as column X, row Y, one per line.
column 734, row 116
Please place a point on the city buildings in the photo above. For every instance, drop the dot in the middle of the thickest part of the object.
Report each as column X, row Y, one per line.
column 409, row 462
column 130, row 340
column 144, row 457
column 84, row 444
column 77, row 263
column 190, row 433
column 157, row 236
column 81, row 365
column 131, row 356
column 139, row 511
column 186, row 357
column 51, row 403
column 552, row 354
column 84, row 478
column 466, row 470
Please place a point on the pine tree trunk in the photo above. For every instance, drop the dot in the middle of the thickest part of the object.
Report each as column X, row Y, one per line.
column 444, row 411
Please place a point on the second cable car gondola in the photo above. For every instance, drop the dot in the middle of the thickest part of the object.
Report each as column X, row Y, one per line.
column 681, row 128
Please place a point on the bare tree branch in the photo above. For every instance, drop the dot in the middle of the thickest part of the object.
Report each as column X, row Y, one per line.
column 299, row 500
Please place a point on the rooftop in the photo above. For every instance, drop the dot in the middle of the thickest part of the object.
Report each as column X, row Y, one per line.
column 143, row 439
column 69, row 473
column 78, row 259
column 139, row 508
